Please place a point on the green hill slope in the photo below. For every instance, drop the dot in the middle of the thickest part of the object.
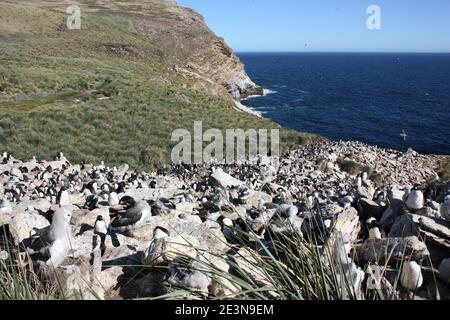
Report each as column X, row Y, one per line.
column 110, row 91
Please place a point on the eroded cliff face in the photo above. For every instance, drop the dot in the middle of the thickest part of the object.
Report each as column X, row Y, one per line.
column 194, row 50
column 185, row 43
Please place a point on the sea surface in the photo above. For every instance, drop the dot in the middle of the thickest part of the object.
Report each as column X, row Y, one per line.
column 395, row 101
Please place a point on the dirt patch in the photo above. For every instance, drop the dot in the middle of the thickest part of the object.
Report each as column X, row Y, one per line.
column 120, row 49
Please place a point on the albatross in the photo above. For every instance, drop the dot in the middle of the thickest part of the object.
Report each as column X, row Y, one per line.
column 133, row 217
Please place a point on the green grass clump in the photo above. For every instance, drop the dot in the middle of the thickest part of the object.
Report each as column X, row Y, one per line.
column 353, row 168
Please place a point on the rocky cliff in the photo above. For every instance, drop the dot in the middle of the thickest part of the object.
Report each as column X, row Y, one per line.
column 185, row 43
column 194, row 50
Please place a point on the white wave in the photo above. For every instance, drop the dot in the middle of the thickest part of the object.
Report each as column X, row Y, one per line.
column 268, row 91
column 251, row 97
column 240, row 106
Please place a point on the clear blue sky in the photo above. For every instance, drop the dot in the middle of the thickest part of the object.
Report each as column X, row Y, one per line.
column 328, row 25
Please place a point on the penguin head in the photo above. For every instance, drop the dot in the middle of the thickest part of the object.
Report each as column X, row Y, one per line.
column 160, row 233
column 127, row 201
column 254, row 214
column 99, row 218
column 63, row 214
column 364, row 176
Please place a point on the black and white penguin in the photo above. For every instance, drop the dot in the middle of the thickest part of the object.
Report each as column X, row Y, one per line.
column 101, row 230
column 411, row 275
column 63, row 197
column 213, row 204
column 121, row 187
column 235, row 233
column 375, row 230
column 153, row 184
column 113, row 199
column 415, row 199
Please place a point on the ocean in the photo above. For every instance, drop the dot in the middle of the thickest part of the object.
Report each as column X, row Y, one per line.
column 396, row 101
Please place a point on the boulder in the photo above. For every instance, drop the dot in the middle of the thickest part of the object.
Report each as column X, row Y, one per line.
column 74, row 279
column 255, row 197
column 391, row 250
column 152, row 194
column 41, row 205
column 109, row 278
column 23, row 225
column 438, row 227
column 221, row 286
column 166, row 250
column 403, row 226
column 210, row 239
column 224, row 180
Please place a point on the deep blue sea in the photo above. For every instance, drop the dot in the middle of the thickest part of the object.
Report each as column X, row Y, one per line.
column 358, row 96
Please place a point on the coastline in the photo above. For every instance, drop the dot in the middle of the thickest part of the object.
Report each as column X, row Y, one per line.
column 249, row 110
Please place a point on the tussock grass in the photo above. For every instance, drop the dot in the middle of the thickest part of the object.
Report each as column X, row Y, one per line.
column 354, row 168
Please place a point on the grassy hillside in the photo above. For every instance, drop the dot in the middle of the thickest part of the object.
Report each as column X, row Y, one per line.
column 105, row 92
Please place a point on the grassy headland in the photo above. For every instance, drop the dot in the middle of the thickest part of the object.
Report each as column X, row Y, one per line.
column 105, row 92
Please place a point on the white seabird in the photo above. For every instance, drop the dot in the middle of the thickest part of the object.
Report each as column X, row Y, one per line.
column 193, row 277
column 154, row 254
column 56, row 242
column 133, row 218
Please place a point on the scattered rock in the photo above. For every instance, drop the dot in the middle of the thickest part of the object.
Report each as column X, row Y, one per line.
column 403, row 226
column 390, row 250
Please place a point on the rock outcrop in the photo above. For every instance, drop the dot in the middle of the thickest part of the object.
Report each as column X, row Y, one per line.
column 187, row 45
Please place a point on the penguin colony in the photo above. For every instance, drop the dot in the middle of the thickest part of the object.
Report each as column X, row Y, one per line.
column 246, row 203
